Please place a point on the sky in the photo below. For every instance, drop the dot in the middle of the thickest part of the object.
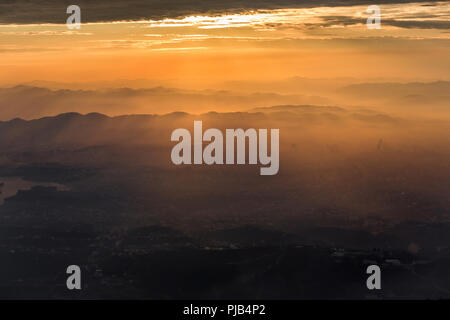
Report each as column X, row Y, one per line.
column 214, row 41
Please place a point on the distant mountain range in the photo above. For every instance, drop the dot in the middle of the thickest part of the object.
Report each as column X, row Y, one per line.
column 77, row 130
column 31, row 102
column 400, row 94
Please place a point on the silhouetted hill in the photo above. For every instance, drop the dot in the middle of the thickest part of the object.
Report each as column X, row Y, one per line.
column 93, row 129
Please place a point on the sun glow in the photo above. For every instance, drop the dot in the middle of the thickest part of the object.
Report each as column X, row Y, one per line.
column 290, row 41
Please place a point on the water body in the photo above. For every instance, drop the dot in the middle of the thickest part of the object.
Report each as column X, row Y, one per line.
column 9, row 186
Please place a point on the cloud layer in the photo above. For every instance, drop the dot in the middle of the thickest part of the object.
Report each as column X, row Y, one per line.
column 54, row 11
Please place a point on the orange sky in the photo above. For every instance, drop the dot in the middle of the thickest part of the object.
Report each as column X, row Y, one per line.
column 269, row 44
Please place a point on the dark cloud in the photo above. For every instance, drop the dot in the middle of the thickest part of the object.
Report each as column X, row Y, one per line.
column 407, row 24
column 54, row 11
column 436, row 24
